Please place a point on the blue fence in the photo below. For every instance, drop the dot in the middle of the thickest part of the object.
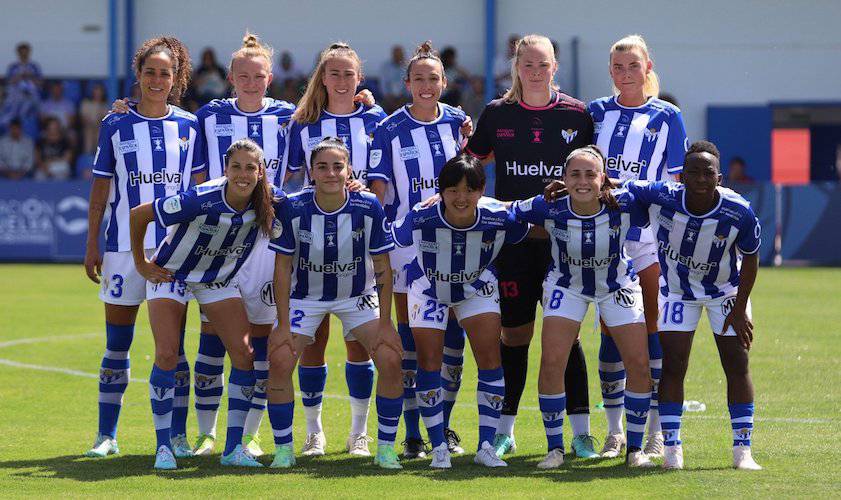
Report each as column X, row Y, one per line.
column 47, row 221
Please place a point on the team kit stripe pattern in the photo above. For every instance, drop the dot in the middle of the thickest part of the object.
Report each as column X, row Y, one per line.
column 147, row 159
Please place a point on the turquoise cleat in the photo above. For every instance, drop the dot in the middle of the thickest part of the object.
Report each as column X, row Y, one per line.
column 504, row 444
column 584, row 446
column 284, row 457
column 387, row 458
column 239, row 458
column 181, row 447
column 164, row 459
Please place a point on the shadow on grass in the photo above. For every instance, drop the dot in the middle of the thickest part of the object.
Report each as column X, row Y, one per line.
column 334, row 465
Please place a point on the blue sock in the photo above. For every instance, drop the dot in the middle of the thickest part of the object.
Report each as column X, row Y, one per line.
column 431, row 404
column 209, row 382
column 490, row 393
column 260, row 345
column 636, row 413
column 411, row 416
column 280, row 416
column 114, row 374
column 741, row 420
column 360, row 383
column 612, row 376
column 670, row 414
column 554, row 408
column 240, row 392
column 312, row 380
column 182, row 392
column 161, row 393
column 452, row 366
column 655, row 362
column 388, row 417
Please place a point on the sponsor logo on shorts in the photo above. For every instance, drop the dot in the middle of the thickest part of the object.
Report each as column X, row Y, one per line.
column 727, row 305
column 487, row 290
column 625, row 297
column 267, row 293
column 365, row 302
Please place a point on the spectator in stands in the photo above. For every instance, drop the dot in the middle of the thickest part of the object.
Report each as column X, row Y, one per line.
column 53, row 153
column 473, row 98
column 392, row 80
column 737, row 172
column 209, row 80
column 289, row 91
column 57, row 106
column 23, row 78
column 91, row 112
column 285, row 69
column 457, row 77
column 17, row 153
column 502, row 65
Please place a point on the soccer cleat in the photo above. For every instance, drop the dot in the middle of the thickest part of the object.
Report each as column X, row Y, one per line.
column 654, row 445
column 240, row 457
column 414, row 448
column 743, row 459
column 284, row 457
column 204, row 445
column 673, row 457
column 252, row 445
column 314, row 445
column 584, row 446
column 103, row 446
column 638, row 459
column 487, row 456
column 453, row 442
column 441, row 457
column 386, row 456
column 181, row 447
column 164, row 460
column 357, row 445
column 553, row 460
column 613, row 445
column 504, row 444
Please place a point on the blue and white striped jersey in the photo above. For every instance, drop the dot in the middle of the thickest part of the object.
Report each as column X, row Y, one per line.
column 587, row 250
column 355, row 129
column 145, row 158
column 209, row 240
column 698, row 258
column 451, row 262
column 408, row 155
column 331, row 250
column 223, row 123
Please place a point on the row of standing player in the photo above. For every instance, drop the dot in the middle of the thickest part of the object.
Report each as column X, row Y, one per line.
column 531, row 88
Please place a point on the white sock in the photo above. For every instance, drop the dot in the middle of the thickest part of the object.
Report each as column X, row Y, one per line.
column 614, row 419
column 207, row 421
column 506, row 425
column 313, row 416
column 252, row 421
column 653, row 421
column 359, row 415
column 580, row 423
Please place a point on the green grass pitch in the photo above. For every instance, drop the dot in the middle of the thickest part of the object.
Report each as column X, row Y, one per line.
column 51, row 342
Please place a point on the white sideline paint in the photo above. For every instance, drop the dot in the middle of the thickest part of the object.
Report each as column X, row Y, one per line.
column 77, row 373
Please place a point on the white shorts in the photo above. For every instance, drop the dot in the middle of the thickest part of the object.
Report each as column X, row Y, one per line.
column 122, row 285
column 678, row 315
column 306, row 315
column 622, row 307
column 181, row 291
column 400, row 259
column 426, row 312
column 254, row 279
column 642, row 254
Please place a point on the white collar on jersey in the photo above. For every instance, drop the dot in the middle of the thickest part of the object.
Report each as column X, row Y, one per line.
column 693, row 214
column 356, row 111
column 266, row 103
column 646, row 103
column 441, row 215
column 324, row 212
column 569, row 206
column 133, row 110
column 440, row 114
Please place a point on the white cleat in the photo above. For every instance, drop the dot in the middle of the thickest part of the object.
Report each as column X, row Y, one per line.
column 638, row 459
column 102, row 447
column 314, row 445
column 614, row 444
column 441, row 457
column 743, row 459
column 487, row 456
column 553, row 460
column 357, row 445
column 673, row 457
column 654, row 445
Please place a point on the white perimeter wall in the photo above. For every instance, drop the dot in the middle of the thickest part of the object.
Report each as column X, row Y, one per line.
column 716, row 52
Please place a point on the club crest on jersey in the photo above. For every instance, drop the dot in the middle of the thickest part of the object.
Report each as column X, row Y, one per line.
column 613, row 232
column 267, row 293
column 255, row 129
column 172, row 205
column 494, row 400
column 184, row 143
column 358, row 234
column 552, row 416
column 651, row 134
column 488, row 245
column 109, row 376
column 430, row 397
column 569, row 134
column 203, row 381
column 625, row 297
column 719, row 241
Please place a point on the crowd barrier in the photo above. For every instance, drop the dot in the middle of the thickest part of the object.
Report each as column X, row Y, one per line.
column 47, row 221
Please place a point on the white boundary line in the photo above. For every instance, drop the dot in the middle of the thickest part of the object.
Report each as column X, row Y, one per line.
column 78, row 373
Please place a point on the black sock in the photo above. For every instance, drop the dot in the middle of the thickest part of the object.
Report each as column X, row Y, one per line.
column 515, row 366
column 575, row 380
